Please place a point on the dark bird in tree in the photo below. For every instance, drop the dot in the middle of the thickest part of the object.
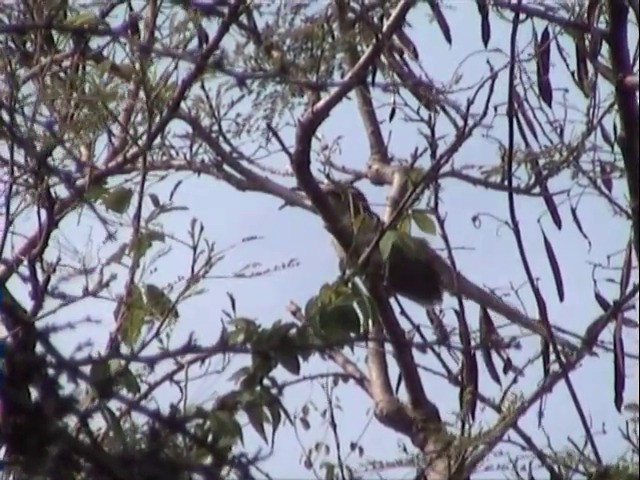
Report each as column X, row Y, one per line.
column 409, row 269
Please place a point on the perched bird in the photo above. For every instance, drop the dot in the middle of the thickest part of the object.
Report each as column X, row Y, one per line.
column 409, row 269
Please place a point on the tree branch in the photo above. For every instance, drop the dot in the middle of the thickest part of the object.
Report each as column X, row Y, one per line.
column 627, row 102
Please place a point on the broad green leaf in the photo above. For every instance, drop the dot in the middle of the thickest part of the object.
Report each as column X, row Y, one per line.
column 134, row 317
column 304, row 336
column 283, row 329
column 386, row 243
column 276, row 337
column 424, row 221
column 128, row 380
column 159, row 303
column 262, row 364
column 118, row 199
column 101, row 379
column 327, row 294
column 100, row 371
column 404, row 224
column 289, row 361
column 96, row 192
column 332, row 312
column 339, row 321
column 350, row 318
column 256, row 416
column 312, row 307
column 244, row 330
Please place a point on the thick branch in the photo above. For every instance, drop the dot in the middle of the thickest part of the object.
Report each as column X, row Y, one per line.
column 301, row 167
column 627, row 108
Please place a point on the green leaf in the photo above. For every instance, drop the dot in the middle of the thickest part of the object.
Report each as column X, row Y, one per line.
column 332, row 312
column 101, row 379
column 386, row 243
column 99, row 371
column 82, row 19
column 339, row 321
column 276, row 417
column 143, row 242
column 103, row 67
column 239, row 375
column 404, row 224
column 118, row 199
column 312, row 307
column 262, row 364
column 128, row 380
column 350, row 318
column 256, row 416
column 134, row 317
column 304, row 423
column 289, row 361
column 227, row 429
column 159, row 302
column 424, row 221
column 411, row 245
column 304, row 335
column 244, row 330
column 155, row 201
column 113, row 423
column 415, row 176
column 96, row 192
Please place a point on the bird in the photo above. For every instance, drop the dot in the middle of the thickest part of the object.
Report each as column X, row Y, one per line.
column 409, row 269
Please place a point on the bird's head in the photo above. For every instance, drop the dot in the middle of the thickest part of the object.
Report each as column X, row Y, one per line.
column 347, row 199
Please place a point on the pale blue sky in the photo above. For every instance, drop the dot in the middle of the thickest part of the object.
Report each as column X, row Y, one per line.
column 490, row 258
